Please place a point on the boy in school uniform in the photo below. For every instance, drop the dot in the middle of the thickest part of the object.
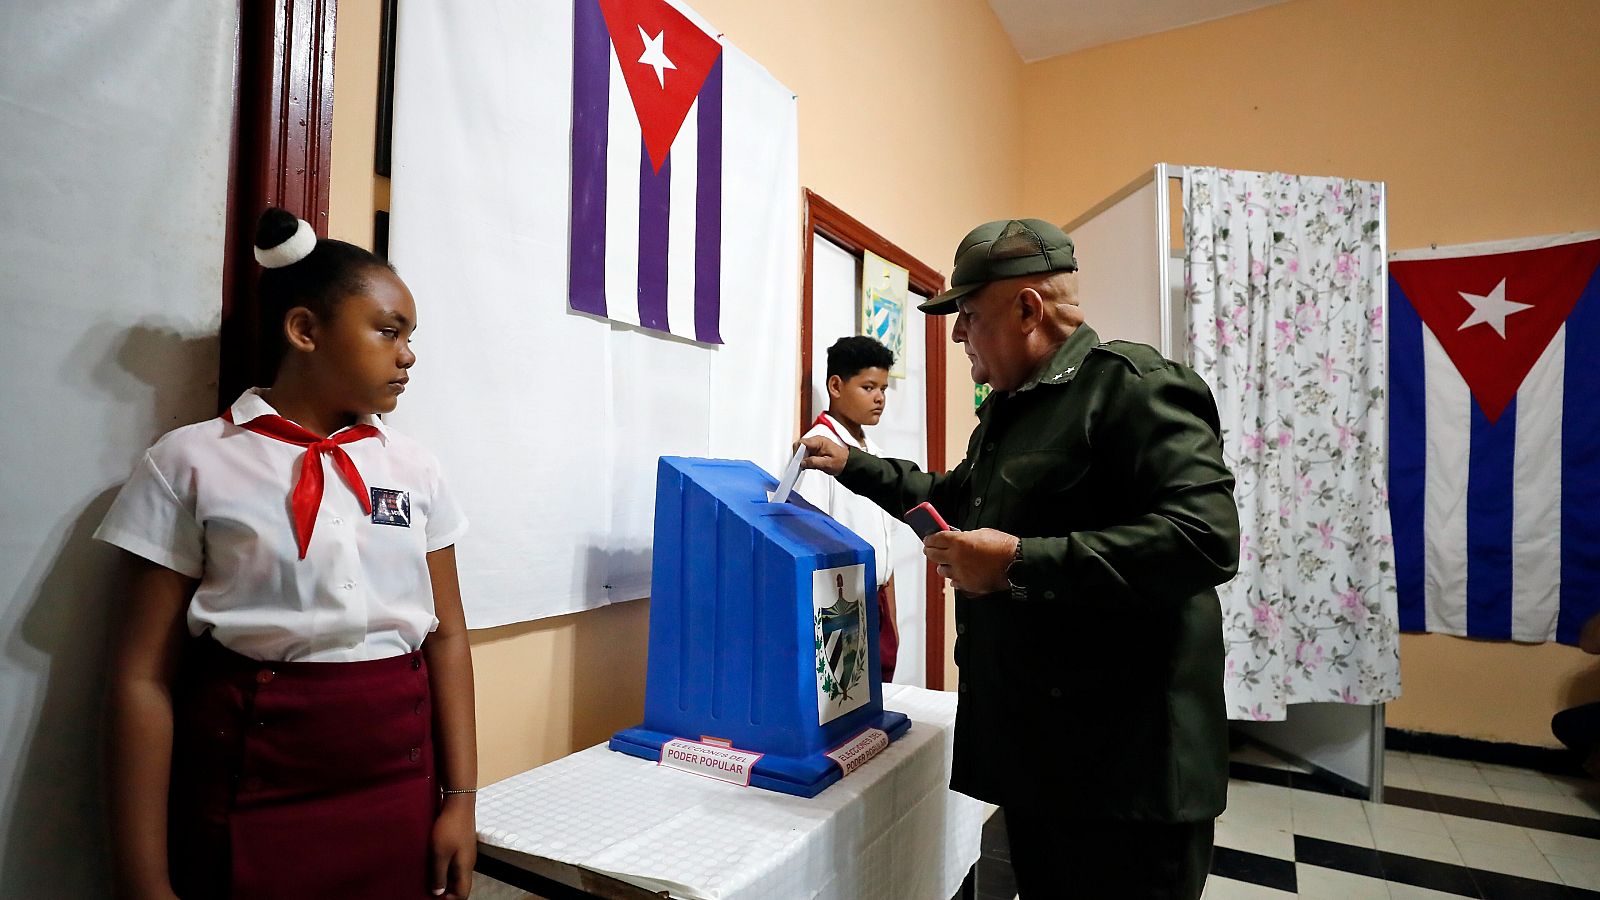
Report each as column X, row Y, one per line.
column 858, row 378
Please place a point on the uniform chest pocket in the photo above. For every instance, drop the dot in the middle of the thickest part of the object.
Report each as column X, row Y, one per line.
column 1043, row 473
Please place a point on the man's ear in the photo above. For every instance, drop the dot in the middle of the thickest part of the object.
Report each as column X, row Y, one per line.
column 300, row 329
column 1030, row 309
column 835, row 386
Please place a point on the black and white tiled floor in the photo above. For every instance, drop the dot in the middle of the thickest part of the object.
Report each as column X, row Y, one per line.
column 1447, row 828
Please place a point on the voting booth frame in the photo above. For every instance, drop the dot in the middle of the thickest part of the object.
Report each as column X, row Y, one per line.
column 763, row 631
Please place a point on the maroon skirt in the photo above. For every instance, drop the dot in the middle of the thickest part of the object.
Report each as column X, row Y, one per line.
column 297, row 780
column 888, row 637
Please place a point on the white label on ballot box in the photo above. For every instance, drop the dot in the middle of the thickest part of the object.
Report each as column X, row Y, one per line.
column 710, row 760
column 854, row 753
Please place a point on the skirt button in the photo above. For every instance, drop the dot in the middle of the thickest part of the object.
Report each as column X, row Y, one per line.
column 416, row 753
column 264, row 676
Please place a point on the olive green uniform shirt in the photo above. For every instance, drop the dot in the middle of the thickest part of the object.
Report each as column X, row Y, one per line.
column 1100, row 690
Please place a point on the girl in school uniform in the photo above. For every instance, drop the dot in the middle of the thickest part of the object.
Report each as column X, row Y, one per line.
column 291, row 709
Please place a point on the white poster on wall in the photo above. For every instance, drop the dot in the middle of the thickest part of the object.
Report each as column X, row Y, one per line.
column 548, row 418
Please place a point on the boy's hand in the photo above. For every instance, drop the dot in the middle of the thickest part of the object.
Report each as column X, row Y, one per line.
column 974, row 561
column 824, row 455
column 453, row 850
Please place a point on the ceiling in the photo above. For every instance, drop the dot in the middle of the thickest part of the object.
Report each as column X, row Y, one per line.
column 1043, row 28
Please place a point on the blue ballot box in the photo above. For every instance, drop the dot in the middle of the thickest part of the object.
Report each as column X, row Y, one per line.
column 763, row 629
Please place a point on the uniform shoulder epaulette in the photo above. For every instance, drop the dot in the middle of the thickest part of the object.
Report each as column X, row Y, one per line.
column 1141, row 358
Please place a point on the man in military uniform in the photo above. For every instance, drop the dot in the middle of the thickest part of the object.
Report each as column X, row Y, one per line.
column 1095, row 518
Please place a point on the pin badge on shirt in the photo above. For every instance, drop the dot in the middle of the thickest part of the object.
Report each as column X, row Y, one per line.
column 391, row 507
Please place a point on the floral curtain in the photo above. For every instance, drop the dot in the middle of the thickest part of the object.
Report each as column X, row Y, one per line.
column 1284, row 283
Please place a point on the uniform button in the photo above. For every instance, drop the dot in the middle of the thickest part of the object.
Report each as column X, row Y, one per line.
column 977, row 501
column 961, row 628
column 989, row 446
column 418, row 710
column 962, row 687
column 416, row 753
column 338, row 521
column 265, row 676
column 349, row 585
column 1049, row 595
column 416, row 662
column 1056, row 693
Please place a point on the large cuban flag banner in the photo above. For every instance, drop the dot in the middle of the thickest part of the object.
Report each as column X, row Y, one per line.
column 646, row 234
column 596, row 204
column 1494, row 468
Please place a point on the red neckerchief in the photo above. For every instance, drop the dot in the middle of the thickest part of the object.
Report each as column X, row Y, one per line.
column 306, row 498
column 825, row 422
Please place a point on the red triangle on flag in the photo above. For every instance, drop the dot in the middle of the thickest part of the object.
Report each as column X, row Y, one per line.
column 1466, row 301
column 665, row 59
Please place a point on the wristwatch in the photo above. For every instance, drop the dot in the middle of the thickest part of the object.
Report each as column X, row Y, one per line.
column 1019, row 592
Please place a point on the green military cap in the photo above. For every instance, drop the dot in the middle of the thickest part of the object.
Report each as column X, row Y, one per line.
column 1003, row 249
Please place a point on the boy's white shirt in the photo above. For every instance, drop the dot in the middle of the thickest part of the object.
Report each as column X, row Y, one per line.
column 855, row 512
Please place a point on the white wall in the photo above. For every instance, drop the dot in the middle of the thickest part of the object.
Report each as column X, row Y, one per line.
column 1344, row 739
column 114, row 120
column 1118, row 275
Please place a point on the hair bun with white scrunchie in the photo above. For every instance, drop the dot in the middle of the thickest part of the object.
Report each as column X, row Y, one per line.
column 282, row 239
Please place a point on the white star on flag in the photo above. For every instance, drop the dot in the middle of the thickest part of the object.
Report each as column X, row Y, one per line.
column 655, row 54
column 1491, row 309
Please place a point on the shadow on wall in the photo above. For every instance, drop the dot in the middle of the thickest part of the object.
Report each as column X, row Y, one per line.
column 61, row 618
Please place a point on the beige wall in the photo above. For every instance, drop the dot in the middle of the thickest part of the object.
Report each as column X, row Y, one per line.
column 1482, row 118
column 891, row 130
column 352, row 198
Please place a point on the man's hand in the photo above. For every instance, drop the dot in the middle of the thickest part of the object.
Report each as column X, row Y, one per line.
column 974, row 561
column 824, row 455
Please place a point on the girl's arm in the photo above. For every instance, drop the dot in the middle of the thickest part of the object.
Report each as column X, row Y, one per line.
column 139, row 752
column 455, row 833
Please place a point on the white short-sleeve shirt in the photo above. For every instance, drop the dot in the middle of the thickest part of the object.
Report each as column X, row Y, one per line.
column 855, row 512
column 211, row 501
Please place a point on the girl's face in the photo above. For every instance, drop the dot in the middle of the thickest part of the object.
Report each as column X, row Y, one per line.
column 362, row 355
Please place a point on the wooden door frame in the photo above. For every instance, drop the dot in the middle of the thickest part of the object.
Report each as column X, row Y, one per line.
column 281, row 156
column 834, row 224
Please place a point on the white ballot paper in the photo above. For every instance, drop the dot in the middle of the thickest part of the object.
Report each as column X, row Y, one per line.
column 791, row 474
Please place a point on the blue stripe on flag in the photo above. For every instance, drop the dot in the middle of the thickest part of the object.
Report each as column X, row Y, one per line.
column 1490, row 464
column 1580, row 468
column 708, row 211
column 1408, row 466
column 655, row 213
column 591, row 105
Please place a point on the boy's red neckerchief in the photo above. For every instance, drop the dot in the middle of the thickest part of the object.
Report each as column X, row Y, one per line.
column 824, row 421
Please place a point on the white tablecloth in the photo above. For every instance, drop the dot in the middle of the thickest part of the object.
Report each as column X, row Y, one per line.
column 892, row 829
